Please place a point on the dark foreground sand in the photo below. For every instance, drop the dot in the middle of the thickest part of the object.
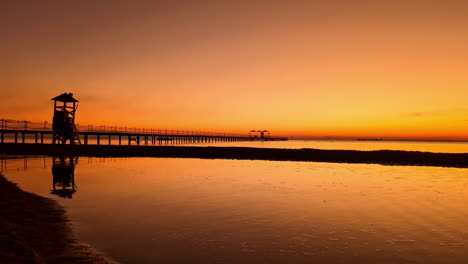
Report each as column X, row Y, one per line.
column 385, row 157
column 34, row 229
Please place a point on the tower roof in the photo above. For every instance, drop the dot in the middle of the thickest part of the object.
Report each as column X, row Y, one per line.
column 65, row 97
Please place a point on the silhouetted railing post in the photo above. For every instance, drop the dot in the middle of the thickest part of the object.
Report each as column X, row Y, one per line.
column 1, row 134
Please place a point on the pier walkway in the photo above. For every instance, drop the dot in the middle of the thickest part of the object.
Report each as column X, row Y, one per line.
column 20, row 132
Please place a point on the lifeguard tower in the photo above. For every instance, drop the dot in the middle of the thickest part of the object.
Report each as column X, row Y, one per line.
column 63, row 123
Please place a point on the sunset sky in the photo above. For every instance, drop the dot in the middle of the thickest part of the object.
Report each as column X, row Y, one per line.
column 394, row 69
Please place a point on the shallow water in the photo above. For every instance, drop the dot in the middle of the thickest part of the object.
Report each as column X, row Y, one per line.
column 427, row 146
column 166, row 210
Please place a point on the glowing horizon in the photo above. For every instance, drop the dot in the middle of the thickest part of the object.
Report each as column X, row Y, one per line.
column 342, row 69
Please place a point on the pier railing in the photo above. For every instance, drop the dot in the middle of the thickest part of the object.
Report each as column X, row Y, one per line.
column 10, row 124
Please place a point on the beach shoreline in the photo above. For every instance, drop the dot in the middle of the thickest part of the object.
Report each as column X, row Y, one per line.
column 383, row 157
column 35, row 229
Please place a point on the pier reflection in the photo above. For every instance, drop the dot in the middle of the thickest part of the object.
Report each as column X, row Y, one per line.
column 63, row 176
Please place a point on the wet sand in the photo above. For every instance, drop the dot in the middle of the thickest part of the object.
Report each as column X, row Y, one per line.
column 384, row 157
column 34, row 229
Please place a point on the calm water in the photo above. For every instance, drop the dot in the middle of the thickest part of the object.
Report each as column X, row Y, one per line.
column 444, row 147
column 165, row 210
column 429, row 146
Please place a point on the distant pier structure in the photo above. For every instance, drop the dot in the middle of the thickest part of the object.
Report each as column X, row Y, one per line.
column 63, row 130
column 262, row 134
column 63, row 122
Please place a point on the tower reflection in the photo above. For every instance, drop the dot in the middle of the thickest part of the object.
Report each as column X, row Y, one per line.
column 63, row 172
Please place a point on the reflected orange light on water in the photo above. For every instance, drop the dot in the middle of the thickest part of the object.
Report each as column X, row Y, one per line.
column 233, row 211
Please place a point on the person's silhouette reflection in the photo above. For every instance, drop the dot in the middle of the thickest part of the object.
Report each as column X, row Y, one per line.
column 63, row 173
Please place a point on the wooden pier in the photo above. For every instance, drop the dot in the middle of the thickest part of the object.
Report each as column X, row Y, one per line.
column 21, row 132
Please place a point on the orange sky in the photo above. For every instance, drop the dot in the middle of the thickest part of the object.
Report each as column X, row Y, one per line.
column 395, row 69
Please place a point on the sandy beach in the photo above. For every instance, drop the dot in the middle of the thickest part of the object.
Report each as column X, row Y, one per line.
column 34, row 229
column 384, row 157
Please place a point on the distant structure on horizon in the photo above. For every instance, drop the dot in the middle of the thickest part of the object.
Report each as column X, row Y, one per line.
column 63, row 122
column 261, row 132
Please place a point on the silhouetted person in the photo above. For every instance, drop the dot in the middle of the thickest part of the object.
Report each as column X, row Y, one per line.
column 58, row 121
column 68, row 131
